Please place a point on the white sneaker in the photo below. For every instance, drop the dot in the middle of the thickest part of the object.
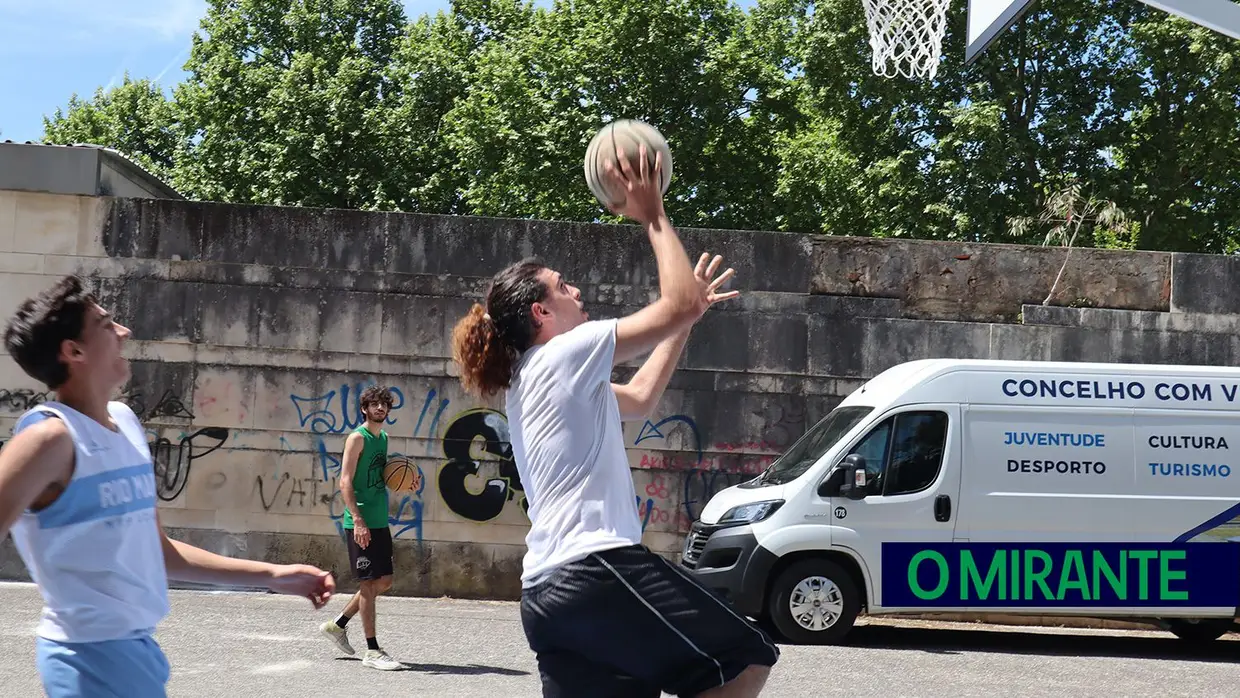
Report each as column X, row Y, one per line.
column 337, row 635
column 378, row 659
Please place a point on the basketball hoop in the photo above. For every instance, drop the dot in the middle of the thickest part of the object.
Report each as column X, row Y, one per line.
column 906, row 36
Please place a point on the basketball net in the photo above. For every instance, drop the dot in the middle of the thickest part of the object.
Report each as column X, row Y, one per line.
column 906, row 36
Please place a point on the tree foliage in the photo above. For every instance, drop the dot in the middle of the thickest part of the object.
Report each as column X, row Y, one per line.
column 134, row 117
column 773, row 114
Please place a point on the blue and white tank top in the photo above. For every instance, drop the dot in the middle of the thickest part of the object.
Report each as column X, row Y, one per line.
column 95, row 552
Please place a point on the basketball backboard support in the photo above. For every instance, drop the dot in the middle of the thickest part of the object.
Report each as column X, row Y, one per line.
column 989, row 18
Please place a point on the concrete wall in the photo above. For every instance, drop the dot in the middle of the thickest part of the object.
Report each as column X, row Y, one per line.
column 257, row 327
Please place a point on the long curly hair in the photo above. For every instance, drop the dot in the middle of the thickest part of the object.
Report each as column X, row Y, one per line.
column 490, row 339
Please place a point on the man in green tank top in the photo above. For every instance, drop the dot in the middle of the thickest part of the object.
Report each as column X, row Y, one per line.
column 367, row 535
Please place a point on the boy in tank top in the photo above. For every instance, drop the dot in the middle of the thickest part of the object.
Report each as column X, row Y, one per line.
column 77, row 492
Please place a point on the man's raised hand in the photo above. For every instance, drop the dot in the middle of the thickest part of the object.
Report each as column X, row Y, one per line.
column 705, row 269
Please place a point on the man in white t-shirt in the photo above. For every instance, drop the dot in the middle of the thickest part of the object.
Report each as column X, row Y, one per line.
column 604, row 614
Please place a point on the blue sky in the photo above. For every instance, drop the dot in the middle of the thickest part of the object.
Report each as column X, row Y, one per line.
column 50, row 49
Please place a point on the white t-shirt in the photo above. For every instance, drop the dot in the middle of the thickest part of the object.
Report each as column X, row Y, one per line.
column 569, row 449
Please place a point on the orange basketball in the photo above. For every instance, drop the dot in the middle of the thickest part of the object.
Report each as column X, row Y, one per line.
column 402, row 475
column 629, row 135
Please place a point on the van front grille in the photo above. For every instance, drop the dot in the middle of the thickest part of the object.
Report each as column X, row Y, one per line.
column 695, row 543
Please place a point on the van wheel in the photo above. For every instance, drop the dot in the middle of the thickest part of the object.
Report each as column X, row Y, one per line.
column 1199, row 630
column 814, row 602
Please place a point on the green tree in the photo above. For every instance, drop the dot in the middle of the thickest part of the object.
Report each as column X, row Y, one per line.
column 1176, row 150
column 429, row 74
column 685, row 66
column 948, row 158
column 284, row 101
column 773, row 114
column 1138, row 104
column 134, row 118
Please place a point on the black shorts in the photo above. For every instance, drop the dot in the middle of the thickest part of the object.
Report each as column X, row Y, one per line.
column 373, row 561
column 626, row 622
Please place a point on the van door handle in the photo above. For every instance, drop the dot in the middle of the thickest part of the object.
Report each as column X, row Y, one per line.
column 942, row 508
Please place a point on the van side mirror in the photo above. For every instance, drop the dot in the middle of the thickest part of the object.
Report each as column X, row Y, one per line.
column 855, row 484
column 831, row 486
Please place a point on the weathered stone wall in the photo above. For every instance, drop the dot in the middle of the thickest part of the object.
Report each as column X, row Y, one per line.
column 256, row 328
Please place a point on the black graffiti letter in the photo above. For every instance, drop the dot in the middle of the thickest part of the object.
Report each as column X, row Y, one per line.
column 492, row 427
column 172, row 467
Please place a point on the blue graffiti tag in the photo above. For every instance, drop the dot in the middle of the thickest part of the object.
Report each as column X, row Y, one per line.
column 329, row 463
column 651, row 431
column 434, row 427
column 327, row 419
column 410, row 521
column 646, row 516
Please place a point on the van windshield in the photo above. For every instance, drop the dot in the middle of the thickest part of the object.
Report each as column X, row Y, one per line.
column 809, row 448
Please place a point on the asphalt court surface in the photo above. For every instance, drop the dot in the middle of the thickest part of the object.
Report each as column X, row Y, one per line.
column 252, row 644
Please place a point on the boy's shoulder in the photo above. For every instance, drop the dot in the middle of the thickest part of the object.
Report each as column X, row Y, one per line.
column 116, row 408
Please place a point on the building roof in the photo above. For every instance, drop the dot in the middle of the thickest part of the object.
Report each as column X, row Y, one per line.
column 81, row 169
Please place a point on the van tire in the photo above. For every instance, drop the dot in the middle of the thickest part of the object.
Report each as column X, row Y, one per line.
column 1203, row 630
column 840, row 587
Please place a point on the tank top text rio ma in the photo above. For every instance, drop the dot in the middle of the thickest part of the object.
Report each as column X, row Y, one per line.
column 95, row 552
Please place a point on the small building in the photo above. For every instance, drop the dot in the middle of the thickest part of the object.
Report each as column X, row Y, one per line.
column 79, row 169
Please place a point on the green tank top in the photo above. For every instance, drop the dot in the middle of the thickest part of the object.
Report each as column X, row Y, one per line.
column 368, row 484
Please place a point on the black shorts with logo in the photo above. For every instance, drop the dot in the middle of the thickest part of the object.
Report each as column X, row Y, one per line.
column 626, row 622
column 373, row 561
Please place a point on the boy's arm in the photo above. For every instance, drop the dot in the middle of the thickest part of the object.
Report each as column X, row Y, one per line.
column 32, row 461
column 43, row 454
column 187, row 563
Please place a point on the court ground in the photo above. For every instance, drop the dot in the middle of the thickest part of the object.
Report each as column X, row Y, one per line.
column 248, row 644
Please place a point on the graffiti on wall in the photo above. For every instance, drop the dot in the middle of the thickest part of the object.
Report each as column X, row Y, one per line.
column 339, row 411
column 22, row 399
column 169, row 403
column 286, row 488
column 467, row 463
column 172, row 464
column 473, row 435
column 701, row 476
column 667, row 424
column 405, row 481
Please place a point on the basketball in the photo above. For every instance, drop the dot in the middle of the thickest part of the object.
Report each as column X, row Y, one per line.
column 629, row 135
column 401, row 475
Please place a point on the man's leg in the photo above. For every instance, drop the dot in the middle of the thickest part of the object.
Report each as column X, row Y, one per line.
column 749, row 683
column 746, row 645
column 371, row 589
column 378, row 579
column 335, row 630
column 631, row 609
column 564, row 672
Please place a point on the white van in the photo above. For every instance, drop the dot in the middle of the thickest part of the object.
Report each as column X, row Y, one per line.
column 1015, row 487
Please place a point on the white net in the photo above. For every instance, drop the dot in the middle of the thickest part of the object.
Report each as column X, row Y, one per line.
column 906, row 36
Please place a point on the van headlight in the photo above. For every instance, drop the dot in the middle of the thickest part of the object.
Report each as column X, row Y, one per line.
column 751, row 513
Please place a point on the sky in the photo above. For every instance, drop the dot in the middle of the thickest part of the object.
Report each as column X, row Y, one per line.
column 51, row 49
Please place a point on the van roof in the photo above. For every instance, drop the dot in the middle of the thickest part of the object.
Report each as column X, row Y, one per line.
column 939, row 380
